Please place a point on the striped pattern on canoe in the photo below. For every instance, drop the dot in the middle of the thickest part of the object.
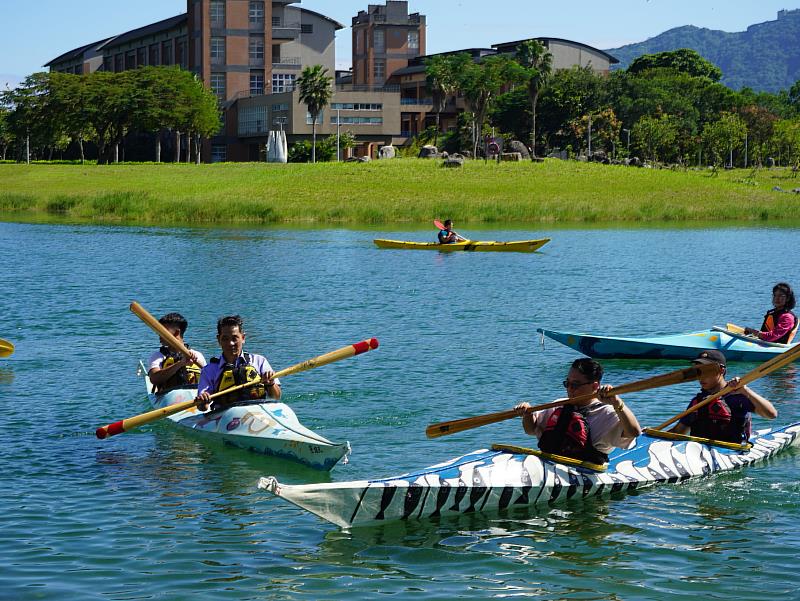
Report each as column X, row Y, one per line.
column 267, row 428
column 675, row 346
column 491, row 481
column 519, row 246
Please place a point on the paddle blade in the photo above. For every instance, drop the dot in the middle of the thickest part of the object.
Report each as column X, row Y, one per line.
column 438, row 224
column 6, row 348
column 734, row 328
column 467, row 423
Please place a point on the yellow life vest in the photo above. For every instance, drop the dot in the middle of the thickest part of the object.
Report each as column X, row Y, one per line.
column 186, row 377
column 231, row 376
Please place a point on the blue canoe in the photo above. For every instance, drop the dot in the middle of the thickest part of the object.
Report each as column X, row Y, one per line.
column 674, row 346
column 490, row 481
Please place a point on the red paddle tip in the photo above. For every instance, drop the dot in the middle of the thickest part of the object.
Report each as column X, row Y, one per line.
column 373, row 343
column 101, row 433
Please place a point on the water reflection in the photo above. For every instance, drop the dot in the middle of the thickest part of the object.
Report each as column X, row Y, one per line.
column 6, row 375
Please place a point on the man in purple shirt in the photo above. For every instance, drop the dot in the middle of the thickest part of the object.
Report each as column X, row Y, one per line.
column 235, row 367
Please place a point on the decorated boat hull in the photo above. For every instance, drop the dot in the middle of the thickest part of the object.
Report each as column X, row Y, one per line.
column 677, row 346
column 520, row 246
column 268, row 428
column 490, row 481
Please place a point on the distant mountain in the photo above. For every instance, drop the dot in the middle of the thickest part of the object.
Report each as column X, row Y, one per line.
column 765, row 58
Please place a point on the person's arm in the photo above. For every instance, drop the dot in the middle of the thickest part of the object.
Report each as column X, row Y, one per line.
column 159, row 376
column 630, row 425
column 528, row 418
column 273, row 387
column 784, row 326
column 761, row 406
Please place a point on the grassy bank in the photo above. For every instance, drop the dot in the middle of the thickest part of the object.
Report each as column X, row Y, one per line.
column 398, row 191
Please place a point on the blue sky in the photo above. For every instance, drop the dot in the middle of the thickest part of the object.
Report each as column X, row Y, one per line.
column 32, row 32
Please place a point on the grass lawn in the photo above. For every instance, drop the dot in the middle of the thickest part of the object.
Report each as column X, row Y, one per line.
column 392, row 191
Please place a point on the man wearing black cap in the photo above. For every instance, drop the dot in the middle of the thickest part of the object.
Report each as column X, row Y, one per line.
column 727, row 418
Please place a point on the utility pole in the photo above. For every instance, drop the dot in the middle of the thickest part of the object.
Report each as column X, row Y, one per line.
column 338, row 124
column 590, row 136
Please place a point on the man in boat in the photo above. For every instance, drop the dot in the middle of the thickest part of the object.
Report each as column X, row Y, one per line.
column 727, row 418
column 447, row 235
column 168, row 369
column 236, row 367
column 780, row 324
column 589, row 429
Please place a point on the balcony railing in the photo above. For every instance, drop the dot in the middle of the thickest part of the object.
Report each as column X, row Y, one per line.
column 422, row 101
column 366, row 88
column 286, row 61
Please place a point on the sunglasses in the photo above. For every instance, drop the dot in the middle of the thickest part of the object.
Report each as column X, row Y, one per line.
column 571, row 384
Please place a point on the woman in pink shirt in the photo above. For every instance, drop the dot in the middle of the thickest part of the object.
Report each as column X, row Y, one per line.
column 780, row 324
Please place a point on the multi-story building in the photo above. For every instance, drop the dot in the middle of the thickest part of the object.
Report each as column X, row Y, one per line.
column 242, row 50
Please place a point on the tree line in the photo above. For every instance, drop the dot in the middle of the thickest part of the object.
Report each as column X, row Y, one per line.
column 667, row 107
column 49, row 112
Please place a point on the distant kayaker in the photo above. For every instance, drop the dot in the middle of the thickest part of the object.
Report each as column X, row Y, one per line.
column 236, row 367
column 727, row 418
column 168, row 369
column 588, row 430
column 780, row 324
column 447, row 235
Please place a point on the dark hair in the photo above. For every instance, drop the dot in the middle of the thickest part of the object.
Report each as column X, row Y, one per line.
column 175, row 320
column 230, row 321
column 787, row 290
column 448, row 222
column 589, row 368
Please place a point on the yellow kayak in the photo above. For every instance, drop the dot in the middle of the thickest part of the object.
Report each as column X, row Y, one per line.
column 518, row 246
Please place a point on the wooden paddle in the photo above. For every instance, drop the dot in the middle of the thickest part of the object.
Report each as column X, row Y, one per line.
column 6, row 348
column 776, row 362
column 145, row 418
column 732, row 327
column 676, row 377
column 440, row 225
column 159, row 329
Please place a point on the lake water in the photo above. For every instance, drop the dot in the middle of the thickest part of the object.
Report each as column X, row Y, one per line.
column 156, row 514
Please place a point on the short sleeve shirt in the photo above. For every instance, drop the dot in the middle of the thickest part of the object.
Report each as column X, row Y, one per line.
column 210, row 375
column 157, row 360
column 605, row 428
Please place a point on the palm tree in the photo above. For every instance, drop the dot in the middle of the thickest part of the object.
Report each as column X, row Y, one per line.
column 538, row 62
column 315, row 92
column 441, row 74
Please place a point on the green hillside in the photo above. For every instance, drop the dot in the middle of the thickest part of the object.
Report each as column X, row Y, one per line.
column 765, row 58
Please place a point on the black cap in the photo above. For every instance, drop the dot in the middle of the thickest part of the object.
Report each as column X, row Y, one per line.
column 710, row 357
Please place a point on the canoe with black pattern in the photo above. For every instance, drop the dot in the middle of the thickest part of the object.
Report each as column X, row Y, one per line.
column 488, row 481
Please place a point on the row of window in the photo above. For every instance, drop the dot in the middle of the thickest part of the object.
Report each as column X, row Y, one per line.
column 153, row 55
column 357, row 120
column 356, row 106
column 379, row 41
column 255, row 49
column 281, row 82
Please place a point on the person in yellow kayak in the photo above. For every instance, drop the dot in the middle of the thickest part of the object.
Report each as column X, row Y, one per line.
column 447, row 235
column 587, row 430
column 236, row 367
column 168, row 369
column 727, row 418
column 780, row 324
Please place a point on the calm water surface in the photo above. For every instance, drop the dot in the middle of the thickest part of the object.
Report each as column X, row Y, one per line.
column 155, row 514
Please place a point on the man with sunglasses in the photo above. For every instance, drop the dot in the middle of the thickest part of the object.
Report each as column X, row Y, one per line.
column 589, row 429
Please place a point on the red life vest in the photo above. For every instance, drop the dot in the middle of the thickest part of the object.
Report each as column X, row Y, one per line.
column 567, row 433
column 716, row 422
column 771, row 320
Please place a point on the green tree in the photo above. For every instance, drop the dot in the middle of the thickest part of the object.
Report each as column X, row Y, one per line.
column 655, row 135
column 724, row 136
column 786, row 139
column 481, row 82
column 537, row 63
column 315, row 92
column 6, row 137
column 442, row 75
column 605, row 129
column 760, row 123
column 683, row 60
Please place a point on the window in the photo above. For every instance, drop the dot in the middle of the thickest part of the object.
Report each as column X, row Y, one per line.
column 306, row 28
column 283, row 82
column 320, row 118
column 218, row 50
column 141, row 57
column 280, row 107
column 256, row 83
column 253, row 120
column 413, row 40
column 181, row 57
column 119, row 62
column 276, row 21
column 256, row 12
column 154, row 53
column 219, row 153
column 218, row 85
column 256, row 48
column 217, row 12
column 108, row 63
column 357, row 120
column 130, row 59
column 379, row 41
column 166, row 53
column 379, row 70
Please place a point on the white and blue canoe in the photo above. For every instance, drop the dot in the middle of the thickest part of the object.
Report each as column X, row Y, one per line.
column 736, row 347
column 268, row 428
column 503, row 478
